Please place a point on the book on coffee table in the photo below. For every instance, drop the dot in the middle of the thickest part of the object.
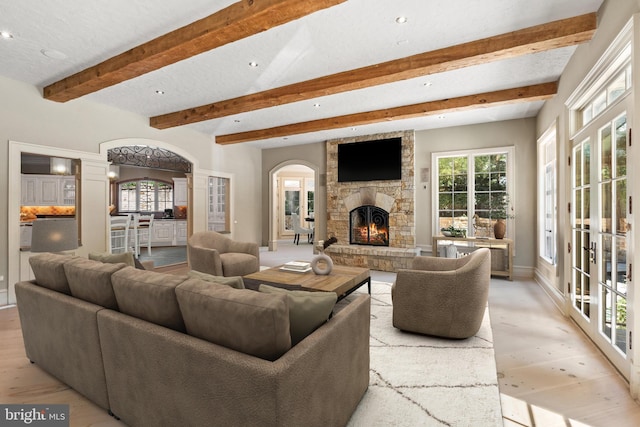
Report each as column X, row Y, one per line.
column 297, row 266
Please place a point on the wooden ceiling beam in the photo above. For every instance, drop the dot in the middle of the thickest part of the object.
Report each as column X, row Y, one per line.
column 532, row 93
column 553, row 35
column 237, row 21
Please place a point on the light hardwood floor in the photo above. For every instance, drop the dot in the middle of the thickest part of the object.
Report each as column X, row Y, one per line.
column 549, row 373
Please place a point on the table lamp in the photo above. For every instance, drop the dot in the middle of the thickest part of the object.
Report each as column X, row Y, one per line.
column 54, row 235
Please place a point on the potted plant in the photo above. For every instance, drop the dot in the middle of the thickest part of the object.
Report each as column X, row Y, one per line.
column 501, row 210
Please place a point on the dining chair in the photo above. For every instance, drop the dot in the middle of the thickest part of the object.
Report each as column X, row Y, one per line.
column 298, row 229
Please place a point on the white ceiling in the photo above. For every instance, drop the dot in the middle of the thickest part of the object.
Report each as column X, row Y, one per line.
column 350, row 35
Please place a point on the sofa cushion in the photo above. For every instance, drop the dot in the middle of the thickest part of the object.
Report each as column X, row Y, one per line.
column 90, row 280
column 250, row 322
column 48, row 269
column 124, row 257
column 149, row 296
column 233, row 281
column 307, row 310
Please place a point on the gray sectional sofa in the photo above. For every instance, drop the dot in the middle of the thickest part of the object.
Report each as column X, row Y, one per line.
column 166, row 350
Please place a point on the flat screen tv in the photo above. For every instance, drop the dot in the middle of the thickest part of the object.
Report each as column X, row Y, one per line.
column 370, row 160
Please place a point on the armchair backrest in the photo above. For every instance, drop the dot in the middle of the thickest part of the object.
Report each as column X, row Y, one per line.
column 211, row 240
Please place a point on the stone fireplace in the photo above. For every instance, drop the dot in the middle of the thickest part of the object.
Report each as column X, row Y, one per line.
column 393, row 197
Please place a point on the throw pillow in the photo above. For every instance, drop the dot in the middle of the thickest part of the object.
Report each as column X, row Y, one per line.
column 307, row 310
column 234, row 281
column 125, row 257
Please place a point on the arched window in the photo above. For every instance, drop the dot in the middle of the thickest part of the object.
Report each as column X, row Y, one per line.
column 145, row 195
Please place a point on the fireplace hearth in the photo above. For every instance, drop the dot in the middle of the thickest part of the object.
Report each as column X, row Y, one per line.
column 369, row 225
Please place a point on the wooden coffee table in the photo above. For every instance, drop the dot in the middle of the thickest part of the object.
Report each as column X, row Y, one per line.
column 343, row 280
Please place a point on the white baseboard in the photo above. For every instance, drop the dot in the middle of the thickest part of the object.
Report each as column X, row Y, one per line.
column 554, row 294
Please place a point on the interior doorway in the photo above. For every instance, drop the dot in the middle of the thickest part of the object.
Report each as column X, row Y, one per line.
column 293, row 190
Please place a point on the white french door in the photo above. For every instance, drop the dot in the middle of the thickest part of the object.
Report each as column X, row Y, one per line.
column 599, row 240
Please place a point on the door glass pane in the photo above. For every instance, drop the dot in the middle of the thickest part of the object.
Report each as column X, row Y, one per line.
column 586, row 208
column 605, row 194
column 577, row 162
column 586, row 240
column 607, row 259
column 605, row 153
column 578, row 250
column 621, row 323
column 621, row 207
column 586, row 162
column 577, row 279
column 586, row 306
column 291, row 205
column 621, row 261
column 606, row 312
column 621, row 146
column 578, row 210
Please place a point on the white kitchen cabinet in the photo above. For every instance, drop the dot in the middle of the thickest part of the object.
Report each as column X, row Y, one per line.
column 181, row 233
column 179, row 191
column 67, row 191
column 163, row 233
column 48, row 190
column 29, row 191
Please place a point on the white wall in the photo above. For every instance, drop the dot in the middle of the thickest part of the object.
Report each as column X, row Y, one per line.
column 82, row 125
column 517, row 133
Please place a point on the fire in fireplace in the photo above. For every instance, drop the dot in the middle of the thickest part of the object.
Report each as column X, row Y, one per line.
column 369, row 225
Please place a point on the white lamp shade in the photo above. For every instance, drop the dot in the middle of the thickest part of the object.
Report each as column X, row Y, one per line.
column 54, row 235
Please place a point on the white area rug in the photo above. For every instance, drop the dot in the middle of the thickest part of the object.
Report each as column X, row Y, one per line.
column 417, row 380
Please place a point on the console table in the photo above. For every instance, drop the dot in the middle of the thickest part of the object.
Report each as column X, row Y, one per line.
column 495, row 246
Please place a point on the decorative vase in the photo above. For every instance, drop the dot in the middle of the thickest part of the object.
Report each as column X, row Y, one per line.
column 499, row 229
column 322, row 264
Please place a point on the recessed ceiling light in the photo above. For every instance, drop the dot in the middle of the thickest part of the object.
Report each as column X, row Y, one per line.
column 401, row 42
column 159, row 92
column 253, row 64
column 53, row 54
column 6, row 35
column 354, row 129
column 401, row 20
column 442, row 117
column 316, row 105
column 237, row 121
column 427, row 84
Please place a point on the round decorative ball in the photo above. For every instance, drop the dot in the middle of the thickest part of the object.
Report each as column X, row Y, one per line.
column 322, row 264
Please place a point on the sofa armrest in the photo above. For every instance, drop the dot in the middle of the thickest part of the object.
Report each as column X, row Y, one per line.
column 204, row 260
column 321, row 380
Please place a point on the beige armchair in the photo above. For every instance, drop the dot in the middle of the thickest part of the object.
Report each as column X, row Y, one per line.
column 442, row 296
column 213, row 253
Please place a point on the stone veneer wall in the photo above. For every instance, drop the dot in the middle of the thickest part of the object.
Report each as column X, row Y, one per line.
column 396, row 196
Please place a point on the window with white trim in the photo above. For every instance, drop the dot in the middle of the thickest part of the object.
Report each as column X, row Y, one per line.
column 473, row 189
column 548, row 212
column 144, row 195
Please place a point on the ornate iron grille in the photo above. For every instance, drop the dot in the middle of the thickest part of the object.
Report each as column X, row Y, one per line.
column 148, row 157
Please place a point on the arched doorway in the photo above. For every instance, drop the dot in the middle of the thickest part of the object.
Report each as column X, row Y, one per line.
column 153, row 178
column 292, row 190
